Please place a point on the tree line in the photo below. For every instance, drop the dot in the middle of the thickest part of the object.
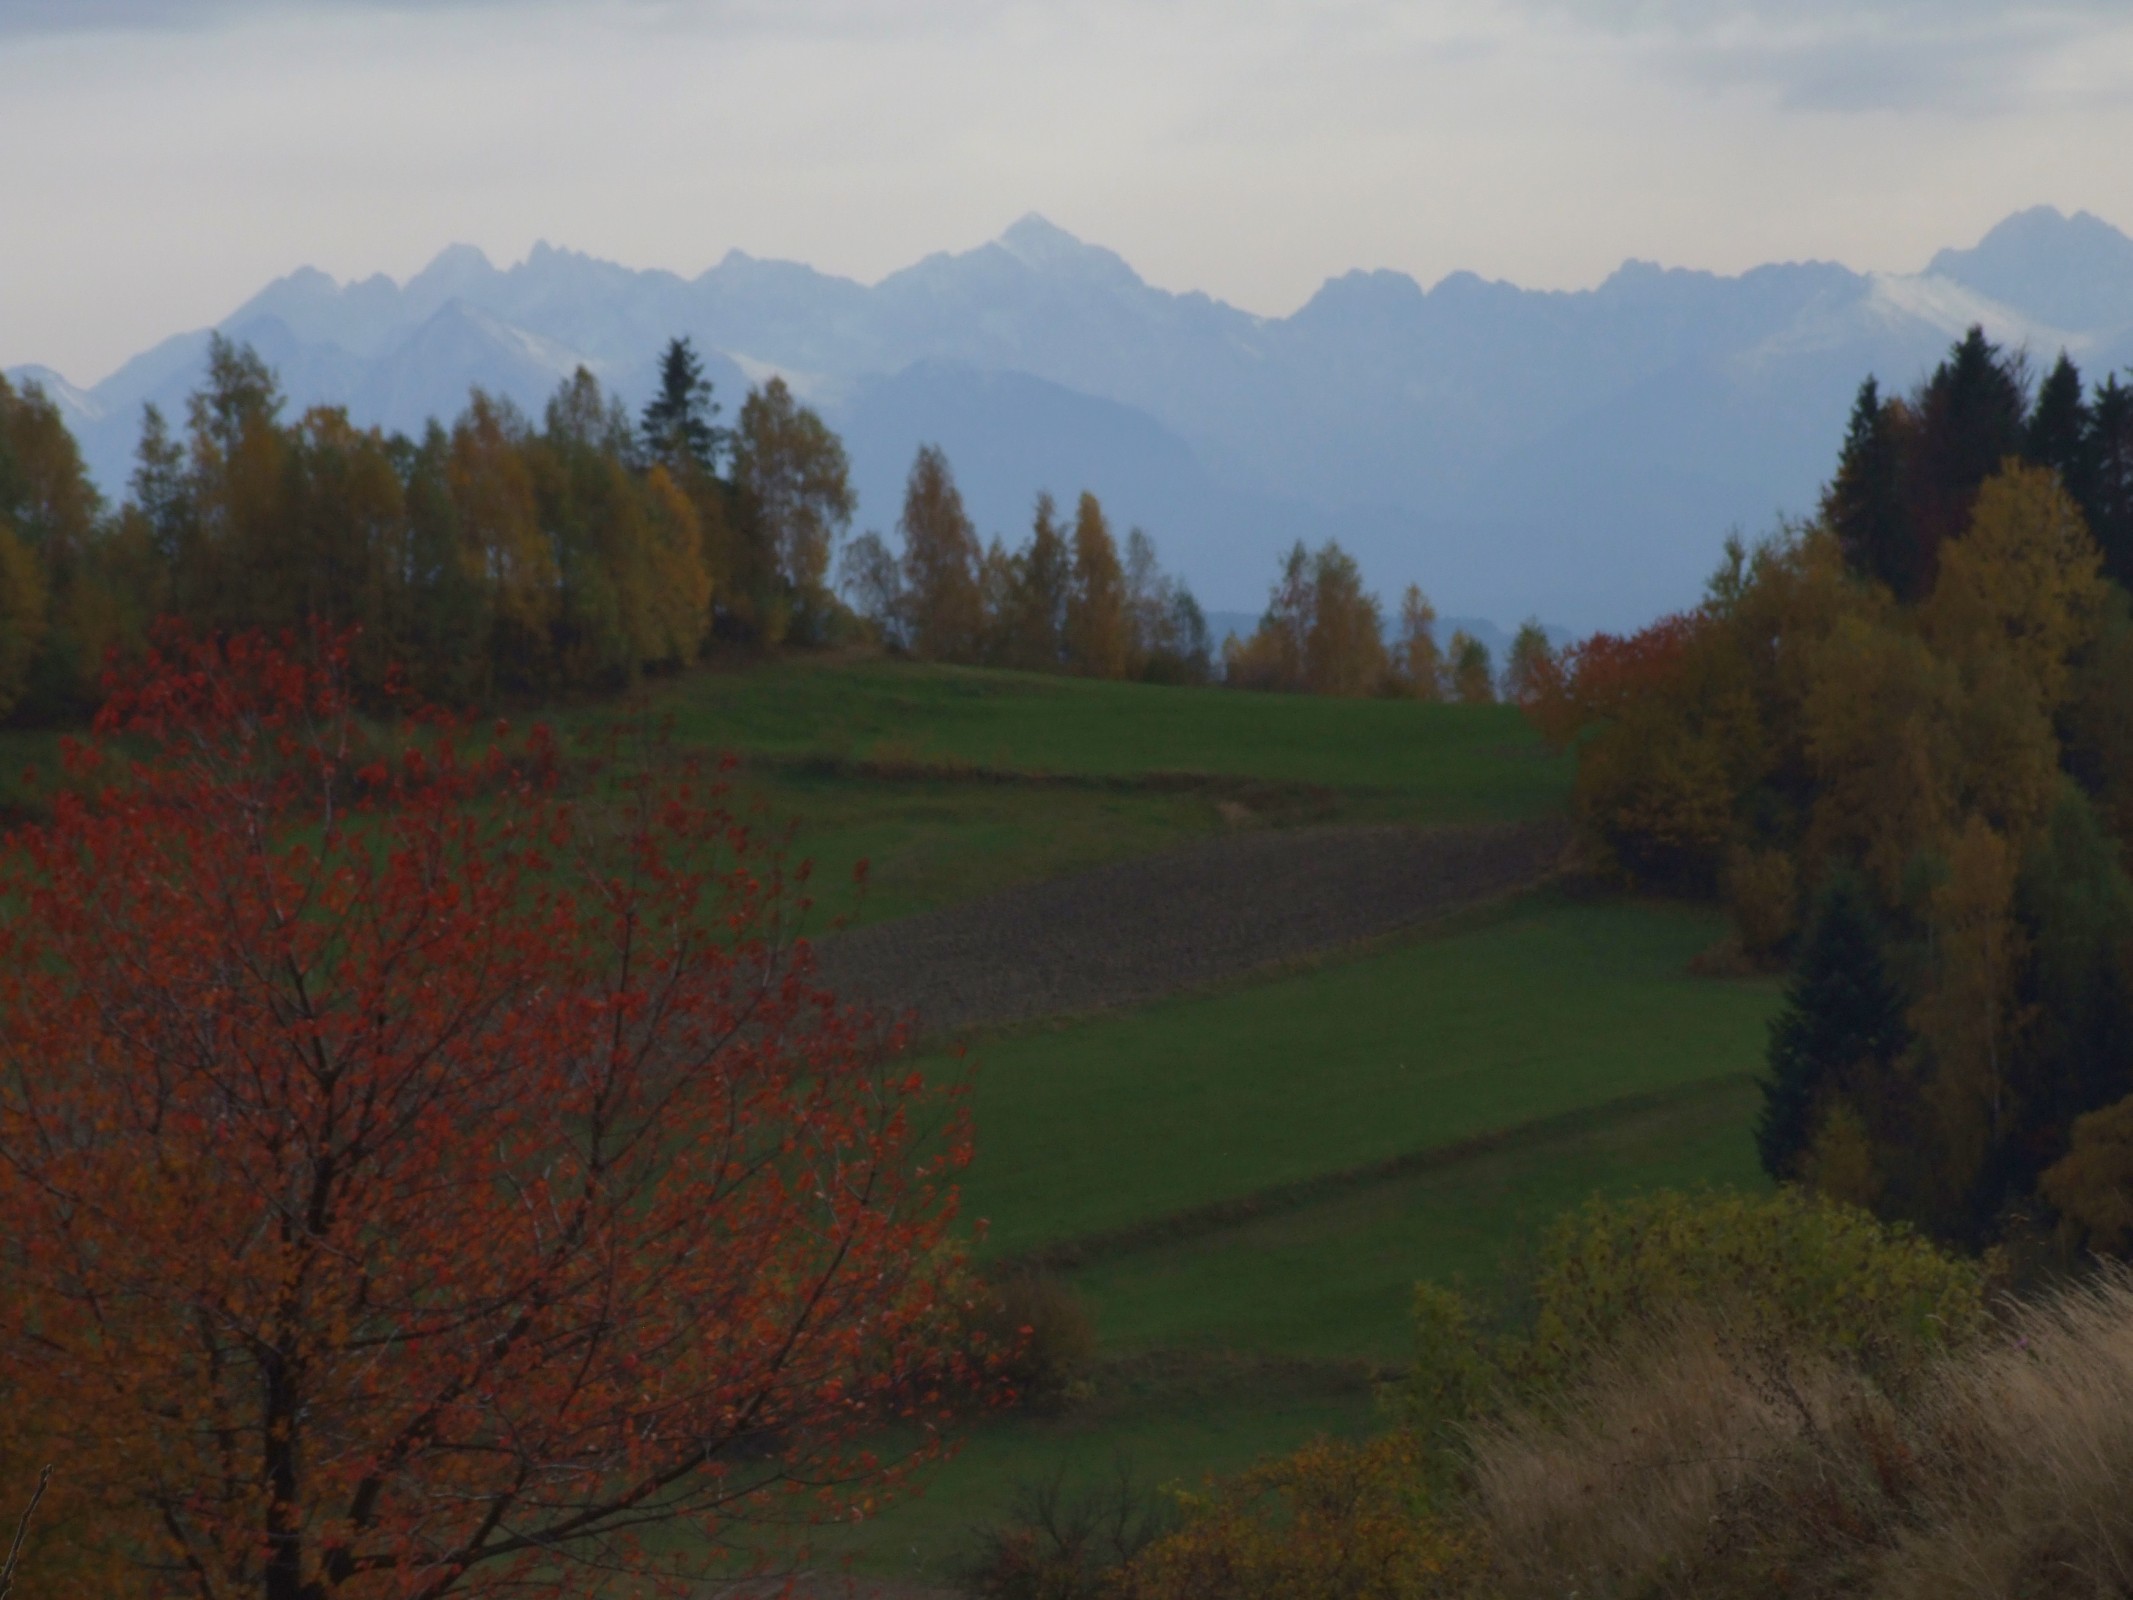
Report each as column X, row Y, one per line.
column 494, row 554
column 1065, row 600
column 489, row 554
column 1898, row 740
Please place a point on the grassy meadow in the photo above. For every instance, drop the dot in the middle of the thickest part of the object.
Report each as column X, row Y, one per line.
column 1243, row 1185
column 954, row 781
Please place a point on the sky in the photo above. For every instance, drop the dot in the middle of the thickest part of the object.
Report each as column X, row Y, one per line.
column 166, row 158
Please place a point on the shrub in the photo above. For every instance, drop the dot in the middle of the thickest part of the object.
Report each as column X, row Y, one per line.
column 1332, row 1521
column 2092, row 1184
column 1061, row 1544
column 1032, row 1332
column 1827, row 1277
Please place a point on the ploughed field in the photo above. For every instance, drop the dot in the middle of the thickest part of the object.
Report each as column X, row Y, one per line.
column 1274, row 1006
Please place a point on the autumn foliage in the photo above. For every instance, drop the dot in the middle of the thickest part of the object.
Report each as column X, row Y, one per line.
column 420, row 1180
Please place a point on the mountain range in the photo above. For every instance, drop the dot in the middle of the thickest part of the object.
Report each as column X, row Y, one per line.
column 1579, row 455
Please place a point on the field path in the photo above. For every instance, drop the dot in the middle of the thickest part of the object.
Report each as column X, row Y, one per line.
column 1134, row 931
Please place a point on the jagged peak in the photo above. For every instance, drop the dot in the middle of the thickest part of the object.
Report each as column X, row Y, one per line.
column 1043, row 246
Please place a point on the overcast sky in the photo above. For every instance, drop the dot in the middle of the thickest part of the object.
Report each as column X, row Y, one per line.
column 165, row 158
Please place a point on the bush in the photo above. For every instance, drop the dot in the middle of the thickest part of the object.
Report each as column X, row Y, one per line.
column 1030, row 1330
column 1827, row 1277
column 1058, row 1544
column 2092, row 1184
column 1332, row 1521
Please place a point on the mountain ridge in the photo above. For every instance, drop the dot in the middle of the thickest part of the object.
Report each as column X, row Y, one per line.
column 1577, row 453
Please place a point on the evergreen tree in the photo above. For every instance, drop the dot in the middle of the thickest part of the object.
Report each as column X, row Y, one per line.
column 1972, row 415
column 680, row 423
column 2076, row 909
column 1842, row 1019
column 2108, row 505
column 2058, row 433
column 1864, row 504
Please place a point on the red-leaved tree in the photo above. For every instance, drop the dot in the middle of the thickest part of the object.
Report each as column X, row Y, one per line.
column 1597, row 679
column 418, row 1181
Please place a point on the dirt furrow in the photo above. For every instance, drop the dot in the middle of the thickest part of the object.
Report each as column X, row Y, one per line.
column 1134, row 931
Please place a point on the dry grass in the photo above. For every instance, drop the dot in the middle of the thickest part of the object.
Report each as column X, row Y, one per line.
column 1699, row 1462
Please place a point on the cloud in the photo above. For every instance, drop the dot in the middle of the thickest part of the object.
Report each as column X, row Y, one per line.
column 855, row 17
column 1956, row 57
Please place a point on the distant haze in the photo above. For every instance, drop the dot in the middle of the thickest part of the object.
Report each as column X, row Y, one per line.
column 166, row 155
column 1576, row 456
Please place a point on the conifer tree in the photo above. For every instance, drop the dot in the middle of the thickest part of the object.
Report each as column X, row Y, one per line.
column 2076, row 909
column 680, row 424
column 1972, row 415
column 2109, row 503
column 1864, row 504
column 2058, row 432
column 1843, row 1020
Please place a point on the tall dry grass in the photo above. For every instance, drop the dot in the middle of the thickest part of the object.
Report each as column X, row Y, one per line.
column 1703, row 1460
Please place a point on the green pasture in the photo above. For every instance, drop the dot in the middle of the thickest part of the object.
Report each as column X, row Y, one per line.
column 1257, row 1177
column 1446, row 763
column 1239, row 1342
column 1546, row 1007
column 951, row 782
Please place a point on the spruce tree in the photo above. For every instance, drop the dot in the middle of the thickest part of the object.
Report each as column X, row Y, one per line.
column 2109, row 501
column 1864, row 502
column 679, row 425
column 2076, row 906
column 2058, row 433
column 1972, row 415
column 1842, row 1018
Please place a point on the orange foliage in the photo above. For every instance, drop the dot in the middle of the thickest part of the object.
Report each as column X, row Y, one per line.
column 1598, row 679
column 417, row 1181
column 1332, row 1521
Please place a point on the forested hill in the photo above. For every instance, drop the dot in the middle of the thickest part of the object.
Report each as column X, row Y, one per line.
column 1575, row 455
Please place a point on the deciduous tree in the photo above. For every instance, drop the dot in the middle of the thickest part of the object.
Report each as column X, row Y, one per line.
column 1098, row 630
column 795, row 491
column 1417, row 662
column 417, row 1183
column 946, row 613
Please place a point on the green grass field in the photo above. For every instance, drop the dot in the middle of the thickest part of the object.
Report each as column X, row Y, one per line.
column 1243, row 1185
column 1546, row 1007
column 1543, row 1051
column 1422, row 1109
column 1446, row 763
column 953, row 781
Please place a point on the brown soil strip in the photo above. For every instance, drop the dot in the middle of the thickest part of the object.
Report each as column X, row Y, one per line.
column 1198, row 1221
column 1125, row 934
